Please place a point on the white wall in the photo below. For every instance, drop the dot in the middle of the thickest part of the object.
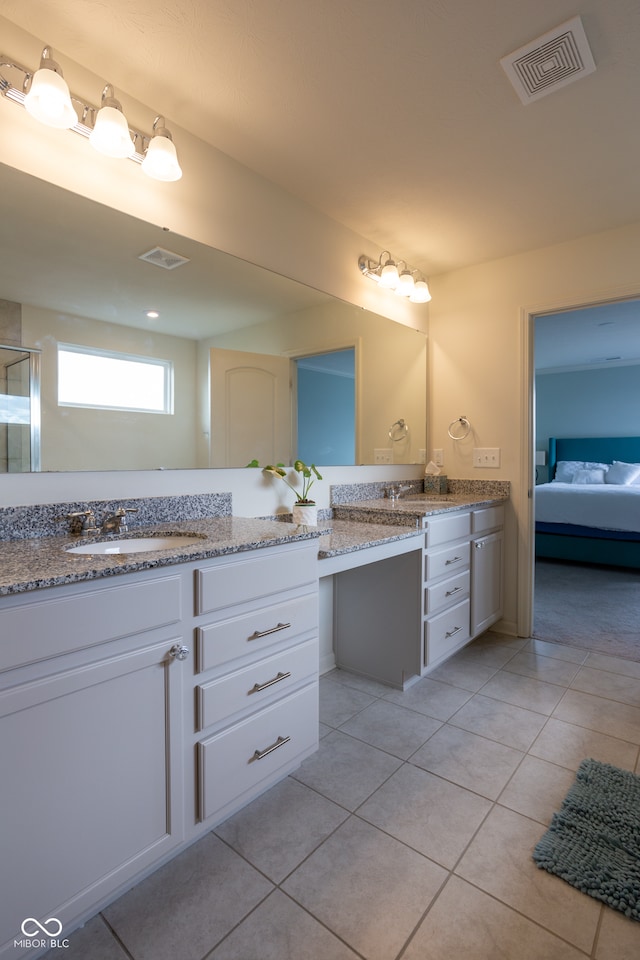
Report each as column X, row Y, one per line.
column 480, row 358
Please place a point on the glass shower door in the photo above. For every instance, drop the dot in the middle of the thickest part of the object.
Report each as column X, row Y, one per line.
column 19, row 409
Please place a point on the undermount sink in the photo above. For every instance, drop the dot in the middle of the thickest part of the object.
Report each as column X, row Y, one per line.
column 136, row 545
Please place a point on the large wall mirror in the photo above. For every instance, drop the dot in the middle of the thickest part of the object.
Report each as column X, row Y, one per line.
column 231, row 336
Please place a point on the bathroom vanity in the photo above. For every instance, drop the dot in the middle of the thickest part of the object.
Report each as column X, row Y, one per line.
column 147, row 696
column 139, row 710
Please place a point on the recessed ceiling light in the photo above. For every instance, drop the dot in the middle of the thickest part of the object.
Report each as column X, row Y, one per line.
column 153, row 314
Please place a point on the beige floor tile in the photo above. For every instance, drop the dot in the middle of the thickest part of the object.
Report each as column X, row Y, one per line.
column 94, row 941
column 281, row 930
column 464, row 922
column 558, row 650
column 524, row 692
column 346, row 770
column 619, row 937
column 367, row 887
column 466, row 673
column 185, row 908
column 615, row 719
column 434, row 699
column 428, row 813
column 568, row 745
column 363, row 684
column 543, row 668
column 338, row 703
column 499, row 861
column 614, row 686
column 391, row 728
column 537, row 789
column 474, row 762
column 600, row 661
column 278, row 830
column 497, row 720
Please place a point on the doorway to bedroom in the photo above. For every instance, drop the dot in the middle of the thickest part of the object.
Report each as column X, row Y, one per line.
column 586, row 384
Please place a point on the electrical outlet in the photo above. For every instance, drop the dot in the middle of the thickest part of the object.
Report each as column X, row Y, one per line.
column 382, row 455
column 486, row 456
column 422, row 455
column 438, row 457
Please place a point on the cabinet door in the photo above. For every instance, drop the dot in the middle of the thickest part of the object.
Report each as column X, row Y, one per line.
column 91, row 785
column 486, row 582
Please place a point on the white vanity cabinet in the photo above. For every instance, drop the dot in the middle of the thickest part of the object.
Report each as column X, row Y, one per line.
column 91, row 744
column 463, row 574
column 136, row 711
column 486, row 567
column 257, row 682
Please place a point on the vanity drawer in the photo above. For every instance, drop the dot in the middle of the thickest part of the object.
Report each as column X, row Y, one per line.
column 256, row 685
column 446, row 631
column 251, row 633
column 487, row 519
column 252, row 577
column 448, row 560
column 444, row 529
column 447, row 592
column 233, row 764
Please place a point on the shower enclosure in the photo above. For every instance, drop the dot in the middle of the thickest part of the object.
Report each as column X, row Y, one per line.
column 19, row 409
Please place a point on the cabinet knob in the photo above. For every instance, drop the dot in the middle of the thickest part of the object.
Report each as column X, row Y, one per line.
column 179, row 651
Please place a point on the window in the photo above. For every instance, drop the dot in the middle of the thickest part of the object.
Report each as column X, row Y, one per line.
column 113, row 381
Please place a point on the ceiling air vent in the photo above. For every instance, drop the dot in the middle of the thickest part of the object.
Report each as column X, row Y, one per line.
column 163, row 258
column 550, row 62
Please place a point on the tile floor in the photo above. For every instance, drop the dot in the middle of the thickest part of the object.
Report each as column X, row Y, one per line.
column 409, row 834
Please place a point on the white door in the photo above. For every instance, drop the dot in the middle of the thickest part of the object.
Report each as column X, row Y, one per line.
column 250, row 408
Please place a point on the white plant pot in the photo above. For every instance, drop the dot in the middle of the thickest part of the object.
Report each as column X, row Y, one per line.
column 306, row 513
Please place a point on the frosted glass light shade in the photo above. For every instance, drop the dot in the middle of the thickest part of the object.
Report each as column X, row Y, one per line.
column 405, row 284
column 161, row 160
column 49, row 100
column 389, row 275
column 110, row 135
column 421, row 292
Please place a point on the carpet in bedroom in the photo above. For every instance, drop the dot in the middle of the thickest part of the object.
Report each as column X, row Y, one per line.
column 597, row 608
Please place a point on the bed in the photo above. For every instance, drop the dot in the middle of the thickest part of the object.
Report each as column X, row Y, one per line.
column 590, row 510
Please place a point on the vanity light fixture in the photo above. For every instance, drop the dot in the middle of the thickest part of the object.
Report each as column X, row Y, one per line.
column 396, row 275
column 46, row 96
column 110, row 135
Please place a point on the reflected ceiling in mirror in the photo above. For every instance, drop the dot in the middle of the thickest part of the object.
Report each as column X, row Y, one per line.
column 74, row 266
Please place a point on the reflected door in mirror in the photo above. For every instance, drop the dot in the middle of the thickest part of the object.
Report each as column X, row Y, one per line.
column 250, row 408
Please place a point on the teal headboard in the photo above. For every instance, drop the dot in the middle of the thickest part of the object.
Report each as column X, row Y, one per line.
column 598, row 449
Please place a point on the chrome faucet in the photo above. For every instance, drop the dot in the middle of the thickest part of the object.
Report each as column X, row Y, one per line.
column 82, row 522
column 395, row 489
column 115, row 522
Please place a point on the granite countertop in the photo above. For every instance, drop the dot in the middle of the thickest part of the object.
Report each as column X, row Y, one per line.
column 345, row 536
column 43, row 561
column 411, row 510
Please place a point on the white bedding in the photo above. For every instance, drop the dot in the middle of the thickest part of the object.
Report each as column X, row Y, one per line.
column 603, row 505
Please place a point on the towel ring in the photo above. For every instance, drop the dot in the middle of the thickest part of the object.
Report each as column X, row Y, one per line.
column 463, row 432
column 398, row 430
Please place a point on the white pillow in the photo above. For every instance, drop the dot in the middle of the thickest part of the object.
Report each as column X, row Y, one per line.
column 589, row 475
column 622, row 473
column 567, row 469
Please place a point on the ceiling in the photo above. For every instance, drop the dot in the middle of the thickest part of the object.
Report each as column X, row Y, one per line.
column 396, row 120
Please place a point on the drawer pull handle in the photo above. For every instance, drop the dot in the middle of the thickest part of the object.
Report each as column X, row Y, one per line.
column 450, row 593
column 452, row 560
column 452, row 633
column 265, row 633
column 258, row 687
column 260, row 754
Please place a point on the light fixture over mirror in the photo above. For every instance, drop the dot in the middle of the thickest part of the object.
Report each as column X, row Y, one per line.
column 46, row 97
column 406, row 282
column 71, row 271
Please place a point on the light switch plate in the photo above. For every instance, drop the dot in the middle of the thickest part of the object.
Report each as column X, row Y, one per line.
column 486, row 456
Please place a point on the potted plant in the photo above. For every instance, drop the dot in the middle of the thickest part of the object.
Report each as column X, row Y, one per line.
column 304, row 509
